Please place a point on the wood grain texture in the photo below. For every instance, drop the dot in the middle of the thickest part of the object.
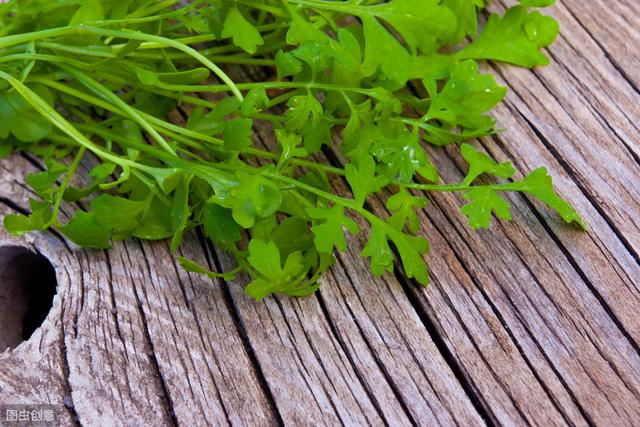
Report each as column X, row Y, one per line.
column 529, row 323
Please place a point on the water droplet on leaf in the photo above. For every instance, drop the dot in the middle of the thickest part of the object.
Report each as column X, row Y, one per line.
column 531, row 29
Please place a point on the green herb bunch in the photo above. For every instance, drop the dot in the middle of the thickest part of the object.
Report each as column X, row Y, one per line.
column 93, row 82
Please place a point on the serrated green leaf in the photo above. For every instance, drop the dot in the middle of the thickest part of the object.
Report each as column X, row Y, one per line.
column 254, row 197
column 316, row 54
column 378, row 250
column 465, row 99
column 302, row 108
column 539, row 184
column 484, row 201
column 480, row 163
column 264, row 257
column 329, row 233
column 401, row 156
column 289, row 145
column 256, row 100
column 83, row 230
column 287, row 64
column 403, row 205
column 363, row 179
column 237, row 134
column 118, row 215
column 243, row 33
column 517, row 38
column 38, row 219
column 411, row 249
column 219, row 226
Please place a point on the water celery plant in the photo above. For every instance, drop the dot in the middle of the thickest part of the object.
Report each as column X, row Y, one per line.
column 93, row 81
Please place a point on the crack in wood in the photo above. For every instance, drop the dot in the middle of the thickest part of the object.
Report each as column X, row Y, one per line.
column 166, row 397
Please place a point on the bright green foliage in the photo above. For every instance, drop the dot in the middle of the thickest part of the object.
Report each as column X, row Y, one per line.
column 539, row 184
column 99, row 89
column 480, row 163
column 19, row 119
column 38, row 219
column 194, row 267
column 379, row 251
column 515, row 38
column 329, row 233
column 272, row 277
column 290, row 145
column 485, row 199
column 403, row 205
column 467, row 18
column 83, row 230
column 483, row 202
column 363, row 180
column 243, row 32
column 253, row 197
column 303, row 109
column 219, row 226
column 237, row 134
column 411, row 249
column 465, row 98
column 400, row 154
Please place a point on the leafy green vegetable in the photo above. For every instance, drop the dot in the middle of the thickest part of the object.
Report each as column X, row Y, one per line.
column 94, row 83
column 272, row 277
column 465, row 98
column 483, row 202
column 330, row 233
column 515, row 38
column 243, row 32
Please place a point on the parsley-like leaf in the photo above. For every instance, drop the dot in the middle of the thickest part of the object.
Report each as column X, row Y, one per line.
column 244, row 34
column 272, row 276
column 483, row 202
column 515, row 38
column 330, row 232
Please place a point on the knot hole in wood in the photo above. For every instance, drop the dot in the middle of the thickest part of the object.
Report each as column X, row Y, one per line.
column 27, row 287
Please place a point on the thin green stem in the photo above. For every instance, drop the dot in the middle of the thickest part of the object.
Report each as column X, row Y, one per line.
column 221, row 88
column 131, row 35
column 259, row 5
column 153, row 9
column 170, row 129
column 333, row 6
column 456, row 187
column 93, row 50
column 132, row 113
column 61, row 123
column 70, row 172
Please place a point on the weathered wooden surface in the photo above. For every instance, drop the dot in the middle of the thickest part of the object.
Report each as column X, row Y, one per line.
column 531, row 322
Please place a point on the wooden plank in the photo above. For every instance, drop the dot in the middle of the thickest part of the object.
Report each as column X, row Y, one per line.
column 508, row 321
column 131, row 311
column 137, row 337
column 587, row 118
column 572, row 329
column 548, row 311
column 352, row 359
column 531, row 322
column 567, row 310
column 583, row 145
column 614, row 27
column 384, row 354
